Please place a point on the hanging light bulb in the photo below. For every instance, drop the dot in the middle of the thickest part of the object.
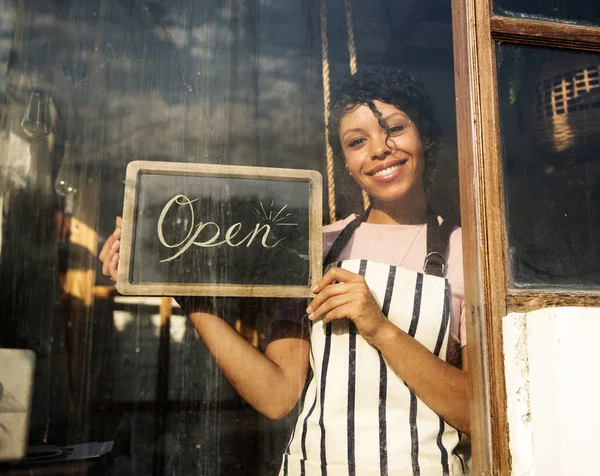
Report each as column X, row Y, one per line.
column 37, row 122
column 67, row 179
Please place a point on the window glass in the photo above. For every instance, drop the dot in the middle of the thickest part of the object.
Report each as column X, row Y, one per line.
column 88, row 87
column 550, row 123
column 580, row 11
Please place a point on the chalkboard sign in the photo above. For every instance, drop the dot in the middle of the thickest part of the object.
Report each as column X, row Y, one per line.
column 220, row 230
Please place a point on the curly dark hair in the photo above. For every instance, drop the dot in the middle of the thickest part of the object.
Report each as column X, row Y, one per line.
column 391, row 86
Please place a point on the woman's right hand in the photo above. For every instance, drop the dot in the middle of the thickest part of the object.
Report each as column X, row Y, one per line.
column 110, row 252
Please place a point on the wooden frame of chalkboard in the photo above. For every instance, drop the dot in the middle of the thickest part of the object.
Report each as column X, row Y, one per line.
column 222, row 230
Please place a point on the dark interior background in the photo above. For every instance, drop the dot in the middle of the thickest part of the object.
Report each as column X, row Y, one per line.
column 550, row 122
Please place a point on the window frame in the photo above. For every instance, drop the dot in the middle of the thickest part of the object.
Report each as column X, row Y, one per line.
column 488, row 298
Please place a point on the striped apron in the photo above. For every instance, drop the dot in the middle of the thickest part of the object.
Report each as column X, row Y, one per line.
column 358, row 417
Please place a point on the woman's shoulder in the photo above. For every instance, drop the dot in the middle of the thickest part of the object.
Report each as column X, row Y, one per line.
column 338, row 226
column 332, row 231
column 455, row 256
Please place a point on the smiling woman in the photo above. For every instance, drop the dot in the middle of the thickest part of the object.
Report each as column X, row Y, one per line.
column 381, row 119
column 387, row 333
column 384, row 361
column 384, row 154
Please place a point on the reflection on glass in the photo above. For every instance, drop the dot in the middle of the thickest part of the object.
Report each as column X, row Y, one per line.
column 37, row 122
column 67, row 178
column 581, row 11
column 550, row 122
column 560, row 97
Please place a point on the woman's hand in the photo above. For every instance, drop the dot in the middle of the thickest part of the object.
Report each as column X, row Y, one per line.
column 342, row 294
column 110, row 252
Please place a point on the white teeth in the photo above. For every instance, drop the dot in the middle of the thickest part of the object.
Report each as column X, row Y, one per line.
column 387, row 171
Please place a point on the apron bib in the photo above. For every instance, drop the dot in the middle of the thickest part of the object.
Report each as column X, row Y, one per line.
column 358, row 417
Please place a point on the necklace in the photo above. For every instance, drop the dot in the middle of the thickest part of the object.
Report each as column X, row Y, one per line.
column 407, row 251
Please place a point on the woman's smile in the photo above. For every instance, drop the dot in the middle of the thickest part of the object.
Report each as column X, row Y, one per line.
column 386, row 162
column 389, row 171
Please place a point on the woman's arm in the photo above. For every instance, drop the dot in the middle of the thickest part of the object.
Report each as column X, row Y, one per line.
column 270, row 382
column 444, row 388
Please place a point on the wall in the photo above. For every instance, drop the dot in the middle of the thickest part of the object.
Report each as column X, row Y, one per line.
column 552, row 382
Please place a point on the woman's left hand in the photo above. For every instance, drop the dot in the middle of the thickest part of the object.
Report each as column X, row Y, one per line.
column 341, row 294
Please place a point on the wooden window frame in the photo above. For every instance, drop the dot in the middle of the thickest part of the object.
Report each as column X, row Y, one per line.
column 488, row 298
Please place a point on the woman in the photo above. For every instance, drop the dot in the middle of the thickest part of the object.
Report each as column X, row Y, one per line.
column 386, row 393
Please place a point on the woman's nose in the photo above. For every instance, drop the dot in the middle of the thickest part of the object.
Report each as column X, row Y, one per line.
column 380, row 148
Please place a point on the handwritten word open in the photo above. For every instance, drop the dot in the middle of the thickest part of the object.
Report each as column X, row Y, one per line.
column 215, row 240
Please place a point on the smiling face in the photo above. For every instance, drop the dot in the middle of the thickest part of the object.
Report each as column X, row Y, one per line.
column 387, row 165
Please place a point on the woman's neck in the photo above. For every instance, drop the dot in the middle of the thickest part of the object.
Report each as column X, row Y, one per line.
column 395, row 213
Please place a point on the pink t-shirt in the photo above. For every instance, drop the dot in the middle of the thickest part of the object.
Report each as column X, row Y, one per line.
column 406, row 246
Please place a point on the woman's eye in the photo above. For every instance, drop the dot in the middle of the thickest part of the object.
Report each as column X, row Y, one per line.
column 356, row 142
column 397, row 129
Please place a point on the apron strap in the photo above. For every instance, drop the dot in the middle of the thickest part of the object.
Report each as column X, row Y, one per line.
column 438, row 237
column 344, row 237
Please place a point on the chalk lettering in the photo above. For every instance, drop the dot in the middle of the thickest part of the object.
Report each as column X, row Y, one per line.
column 192, row 237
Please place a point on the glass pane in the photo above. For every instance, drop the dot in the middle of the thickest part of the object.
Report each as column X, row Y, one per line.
column 550, row 122
column 89, row 86
column 583, row 12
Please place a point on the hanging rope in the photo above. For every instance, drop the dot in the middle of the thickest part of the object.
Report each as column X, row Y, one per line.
column 351, row 47
column 353, row 68
column 326, row 102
